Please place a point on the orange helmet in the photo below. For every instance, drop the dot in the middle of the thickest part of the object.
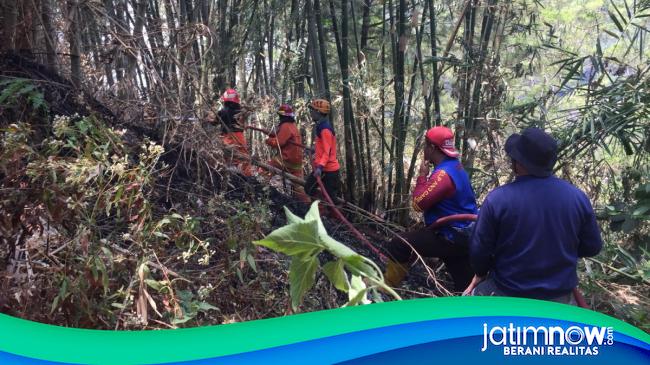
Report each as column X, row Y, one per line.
column 321, row 105
column 230, row 95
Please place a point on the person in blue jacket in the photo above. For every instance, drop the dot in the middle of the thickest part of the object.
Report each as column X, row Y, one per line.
column 531, row 232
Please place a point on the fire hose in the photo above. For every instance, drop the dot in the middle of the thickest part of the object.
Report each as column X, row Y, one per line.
column 579, row 298
column 340, row 217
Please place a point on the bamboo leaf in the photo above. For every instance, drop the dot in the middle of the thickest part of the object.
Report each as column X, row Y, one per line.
column 571, row 72
column 640, row 27
column 251, row 262
column 615, row 20
column 611, row 33
column 622, row 17
column 639, row 211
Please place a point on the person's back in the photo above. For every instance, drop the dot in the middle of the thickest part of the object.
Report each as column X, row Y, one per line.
column 325, row 147
column 531, row 232
column 288, row 139
column 539, row 236
column 291, row 150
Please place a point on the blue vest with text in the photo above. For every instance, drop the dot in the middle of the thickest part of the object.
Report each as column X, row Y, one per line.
column 462, row 202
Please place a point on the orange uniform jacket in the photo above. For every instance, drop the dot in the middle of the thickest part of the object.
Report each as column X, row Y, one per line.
column 325, row 147
column 284, row 139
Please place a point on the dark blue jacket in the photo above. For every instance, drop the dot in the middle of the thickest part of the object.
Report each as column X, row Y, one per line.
column 529, row 235
column 462, row 202
column 228, row 115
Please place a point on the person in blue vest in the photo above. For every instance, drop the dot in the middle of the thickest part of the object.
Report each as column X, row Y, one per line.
column 443, row 192
column 531, row 232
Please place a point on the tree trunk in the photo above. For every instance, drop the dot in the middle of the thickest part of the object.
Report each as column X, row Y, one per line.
column 435, row 89
column 382, row 98
column 316, row 59
column 348, row 116
column 323, row 48
column 10, row 11
column 74, row 38
column 474, row 110
column 399, row 127
column 49, row 34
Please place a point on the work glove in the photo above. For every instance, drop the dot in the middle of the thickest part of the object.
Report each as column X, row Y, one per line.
column 318, row 171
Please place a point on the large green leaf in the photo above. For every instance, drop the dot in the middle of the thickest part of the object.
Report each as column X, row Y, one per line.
column 294, row 239
column 302, row 274
column 335, row 272
column 304, row 239
column 358, row 291
column 314, row 215
column 292, row 218
column 335, row 247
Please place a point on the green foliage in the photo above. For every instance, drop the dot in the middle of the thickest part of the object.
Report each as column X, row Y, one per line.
column 97, row 196
column 242, row 221
column 303, row 240
column 190, row 306
column 14, row 91
column 181, row 306
column 632, row 208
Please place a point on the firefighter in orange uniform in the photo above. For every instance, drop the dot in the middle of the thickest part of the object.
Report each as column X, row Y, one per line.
column 232, row 128
column 287, row 141
column 325, row 164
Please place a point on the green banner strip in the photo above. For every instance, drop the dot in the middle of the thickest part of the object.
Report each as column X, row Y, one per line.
column 55, row 343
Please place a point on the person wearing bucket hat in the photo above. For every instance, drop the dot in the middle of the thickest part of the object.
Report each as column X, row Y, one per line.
column 535, row 150
column 531, row 232
column 446, row 191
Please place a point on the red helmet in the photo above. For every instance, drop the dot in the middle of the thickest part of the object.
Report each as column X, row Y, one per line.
column 286, row 110
column 230, row 95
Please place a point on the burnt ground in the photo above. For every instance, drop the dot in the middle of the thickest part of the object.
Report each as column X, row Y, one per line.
column 234, row 209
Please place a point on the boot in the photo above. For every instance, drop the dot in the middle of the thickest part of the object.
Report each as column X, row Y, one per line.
column 395, row 273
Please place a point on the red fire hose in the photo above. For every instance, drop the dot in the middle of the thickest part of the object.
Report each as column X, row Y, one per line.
column 580, row 299
column 340, row 217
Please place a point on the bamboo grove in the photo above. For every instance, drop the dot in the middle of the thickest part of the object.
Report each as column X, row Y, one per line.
column 392, row 68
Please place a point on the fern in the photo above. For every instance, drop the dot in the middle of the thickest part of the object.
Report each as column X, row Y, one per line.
column 14, row 90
